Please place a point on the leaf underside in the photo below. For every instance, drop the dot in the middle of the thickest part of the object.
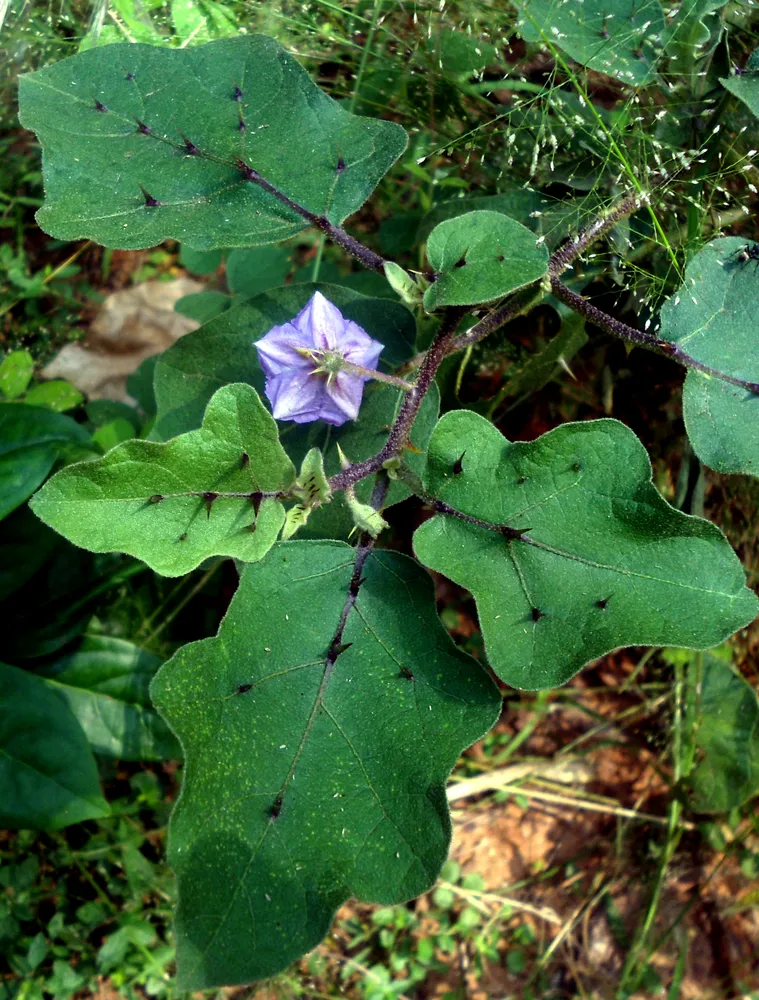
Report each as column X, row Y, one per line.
column 308, row 782
column 172, row 504
column 140, row 145
column 606, row 562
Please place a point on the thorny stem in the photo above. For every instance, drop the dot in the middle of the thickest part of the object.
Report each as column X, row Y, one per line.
column 645, row 339
column 397, row 439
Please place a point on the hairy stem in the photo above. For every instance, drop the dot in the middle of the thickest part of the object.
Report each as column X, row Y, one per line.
column 372, row 373
column 618, row 329
column 572, row 249
column 397, row 439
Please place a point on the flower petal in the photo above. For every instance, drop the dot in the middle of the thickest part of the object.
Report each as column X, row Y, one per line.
column 345, row 392
column 277, row 350
column 323, row 321
column 295, row 396
column 357, row 346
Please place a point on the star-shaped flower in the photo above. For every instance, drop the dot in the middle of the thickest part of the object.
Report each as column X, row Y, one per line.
column 303, row 360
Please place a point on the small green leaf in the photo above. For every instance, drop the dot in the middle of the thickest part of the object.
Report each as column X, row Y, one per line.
column 16, row 370
column 32, row 440
column 403, row 284
column 175, row 504
column 105, row 684
column 311, row 777
column 722, row 422
column 108, row 435
column 479, row 257
column 48, row 776
column 56, row 395
column 727, row 738
column 621, row 38
column 603, row 560
column 141, row 143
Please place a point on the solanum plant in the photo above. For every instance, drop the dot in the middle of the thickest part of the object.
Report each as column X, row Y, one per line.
column 320, row 724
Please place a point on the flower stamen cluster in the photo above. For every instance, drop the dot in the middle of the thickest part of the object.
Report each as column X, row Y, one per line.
column 344, row 355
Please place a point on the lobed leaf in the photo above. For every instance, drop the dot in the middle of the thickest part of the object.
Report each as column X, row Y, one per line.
column 316, row 755
column 479, row 257
column 722, row 422
column 603, row 562
column 141, row 143
column 48, row 776
column 175, row 504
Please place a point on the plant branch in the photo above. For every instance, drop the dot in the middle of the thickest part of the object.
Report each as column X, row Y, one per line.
column 519, row 303
column 572, row 249
column 397, row 439
column 618, row 329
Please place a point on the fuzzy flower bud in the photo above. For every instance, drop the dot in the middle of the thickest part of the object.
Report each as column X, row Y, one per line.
column 302, row 362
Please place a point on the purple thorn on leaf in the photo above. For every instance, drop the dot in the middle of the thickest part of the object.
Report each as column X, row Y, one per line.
column 302, row 363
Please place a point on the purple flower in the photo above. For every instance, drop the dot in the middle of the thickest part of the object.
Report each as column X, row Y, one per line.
column 304, row 363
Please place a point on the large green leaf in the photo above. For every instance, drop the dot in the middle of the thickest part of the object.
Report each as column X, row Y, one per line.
column 722, row 422
column 713, row 319
column 32, row 439
column 48, row 777
column 620, row 38
column 727, row 739
column 604, row 561
column 140, row 144
column 169, row 504
column 105, row 683
column 316, row 757
column 222, row 351
column 479, row 257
